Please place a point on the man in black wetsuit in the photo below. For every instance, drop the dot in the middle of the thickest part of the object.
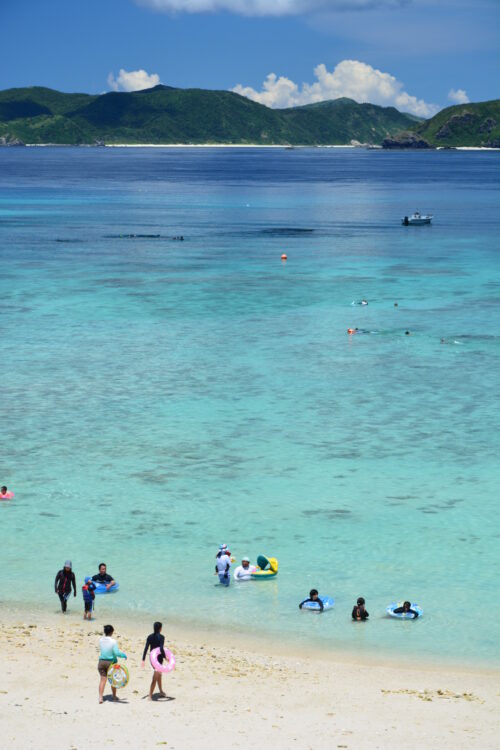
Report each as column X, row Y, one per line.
column 103, row 577
column 406, row 609
column 155, row 640
column 313, row 597
column 65, row 579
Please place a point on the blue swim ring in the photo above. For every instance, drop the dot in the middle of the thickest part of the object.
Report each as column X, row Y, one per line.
column 328, row 603
column 100, row 588
column 403, row 615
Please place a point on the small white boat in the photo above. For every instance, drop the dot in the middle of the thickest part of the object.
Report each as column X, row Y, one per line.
column 416, row 219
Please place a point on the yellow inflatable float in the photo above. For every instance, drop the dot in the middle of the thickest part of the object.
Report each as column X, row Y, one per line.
column 268, row 568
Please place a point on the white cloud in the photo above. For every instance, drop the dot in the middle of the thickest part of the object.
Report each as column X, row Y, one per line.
column 266, row 7
column 132, row 80
column 349, row 78
column 458, row 96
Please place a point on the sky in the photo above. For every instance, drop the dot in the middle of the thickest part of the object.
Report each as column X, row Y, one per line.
column 417, row 55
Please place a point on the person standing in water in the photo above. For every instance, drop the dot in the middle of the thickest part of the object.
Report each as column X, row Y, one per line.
column 222, row 567
column 155, row 640
column 109, row 653
column 65, row 579
column 359, row 612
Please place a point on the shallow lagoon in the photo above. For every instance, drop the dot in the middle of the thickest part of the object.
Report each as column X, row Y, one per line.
column 161, row 397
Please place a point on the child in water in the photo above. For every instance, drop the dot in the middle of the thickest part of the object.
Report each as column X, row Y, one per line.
column 88, row 598
column 406, row 610
column 313, row 597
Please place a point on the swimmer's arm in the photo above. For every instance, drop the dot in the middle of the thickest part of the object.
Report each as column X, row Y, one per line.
column 303, row 602
column 111, row 583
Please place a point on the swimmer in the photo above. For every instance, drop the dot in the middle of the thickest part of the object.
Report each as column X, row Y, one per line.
column 104, row 577
column 4, row 492
column 359, row 331
column 313, row 597
column 406, row 609
column 359, row 612
column 243, row 572
column 363, row 302
column 407, row 333
column 395, row 304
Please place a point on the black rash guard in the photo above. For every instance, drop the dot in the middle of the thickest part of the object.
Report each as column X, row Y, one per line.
column 64, row 581
column 155, row 640
column 400, row 610
column 316, row 601
column 102, row 578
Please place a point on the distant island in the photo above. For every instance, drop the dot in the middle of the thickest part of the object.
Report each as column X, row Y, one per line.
column 163, row 115
column 463, row 125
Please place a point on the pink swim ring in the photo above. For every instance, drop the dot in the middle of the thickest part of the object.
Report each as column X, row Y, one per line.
column 8, row 496
column 167, row 666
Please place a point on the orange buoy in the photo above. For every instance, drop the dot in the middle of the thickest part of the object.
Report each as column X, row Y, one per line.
column 284, row 257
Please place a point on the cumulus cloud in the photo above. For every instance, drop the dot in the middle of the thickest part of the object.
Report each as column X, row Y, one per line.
column 349, row 78
column 266, row 7
column 132, row 80
column 458, row 96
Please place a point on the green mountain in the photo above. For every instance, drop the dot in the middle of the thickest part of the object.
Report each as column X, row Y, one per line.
column 169, row 115
column 461, row 125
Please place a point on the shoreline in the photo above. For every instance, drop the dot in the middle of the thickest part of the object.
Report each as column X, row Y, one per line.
column 221, row 690
column 285, row 146
column 268, row 645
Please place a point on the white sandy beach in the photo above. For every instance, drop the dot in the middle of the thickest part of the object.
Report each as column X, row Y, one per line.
column 234, row 694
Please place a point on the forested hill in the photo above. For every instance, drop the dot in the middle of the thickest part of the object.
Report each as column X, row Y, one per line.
column 473, row 124
column 170, row 115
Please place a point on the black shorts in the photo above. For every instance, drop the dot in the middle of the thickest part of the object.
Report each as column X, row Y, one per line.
column 88, row 606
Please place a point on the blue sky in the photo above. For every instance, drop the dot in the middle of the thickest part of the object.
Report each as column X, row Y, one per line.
column 409, row 53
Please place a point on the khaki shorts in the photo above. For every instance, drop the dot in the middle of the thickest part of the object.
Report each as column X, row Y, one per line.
column 103, row 665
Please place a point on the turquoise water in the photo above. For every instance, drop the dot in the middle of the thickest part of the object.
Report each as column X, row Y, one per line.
column 161, row 397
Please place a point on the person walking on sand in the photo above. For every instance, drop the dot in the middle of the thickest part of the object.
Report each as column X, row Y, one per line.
column 108, row 655
column 155, row 640
column 65, row 579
